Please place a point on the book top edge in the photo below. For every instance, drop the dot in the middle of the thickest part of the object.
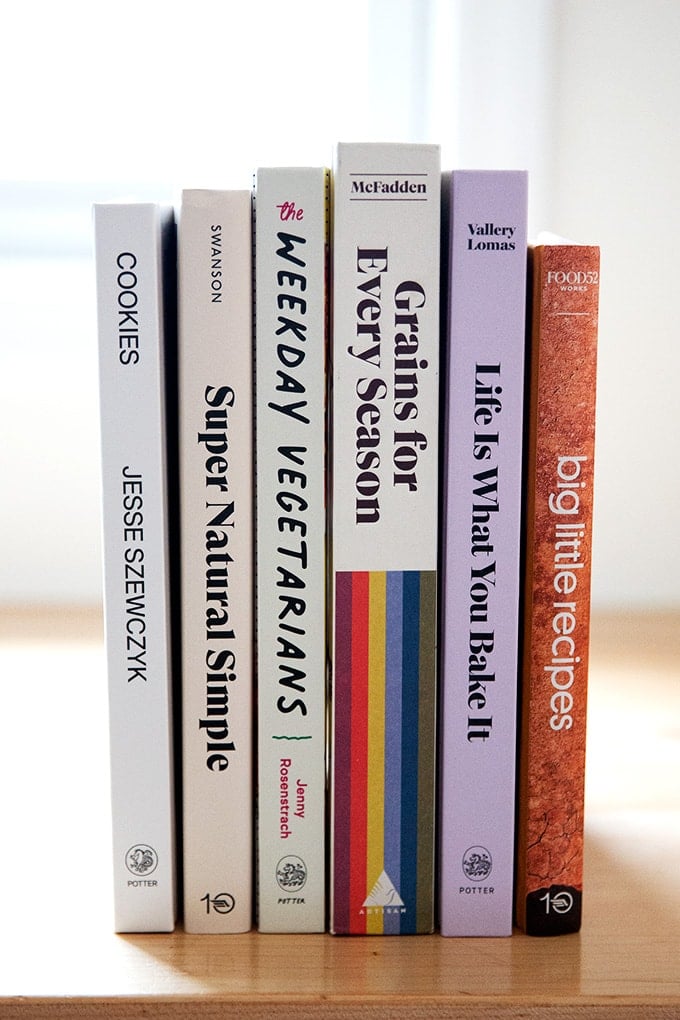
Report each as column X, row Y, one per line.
column 546, row 239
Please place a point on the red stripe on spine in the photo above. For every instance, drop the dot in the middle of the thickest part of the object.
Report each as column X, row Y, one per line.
column 342, row 696
column 359, row 750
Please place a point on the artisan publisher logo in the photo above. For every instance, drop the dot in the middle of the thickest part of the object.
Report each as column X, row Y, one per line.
column 388, row 188
column 477, row 863
column 141, row 860
column 383, row 894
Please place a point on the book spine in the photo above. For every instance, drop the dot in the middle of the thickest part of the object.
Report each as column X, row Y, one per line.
column 385, row 349
column 216, row 497
column 481, row 535
column 557, row 588
column 134, row 248
column 291, row 248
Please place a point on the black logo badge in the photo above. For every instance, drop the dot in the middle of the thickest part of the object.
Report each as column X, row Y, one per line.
column 221, row 903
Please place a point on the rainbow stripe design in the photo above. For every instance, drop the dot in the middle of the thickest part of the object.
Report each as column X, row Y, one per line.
column 384, row 742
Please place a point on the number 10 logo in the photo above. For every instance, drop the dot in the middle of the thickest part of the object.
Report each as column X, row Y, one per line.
column 560, row 903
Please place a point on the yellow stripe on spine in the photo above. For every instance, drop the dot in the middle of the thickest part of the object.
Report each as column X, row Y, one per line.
column 376, row 742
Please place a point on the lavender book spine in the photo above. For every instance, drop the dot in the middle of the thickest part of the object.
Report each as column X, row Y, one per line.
column 481, row 520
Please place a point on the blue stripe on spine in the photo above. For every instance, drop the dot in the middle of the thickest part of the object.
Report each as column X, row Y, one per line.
column 409, row 748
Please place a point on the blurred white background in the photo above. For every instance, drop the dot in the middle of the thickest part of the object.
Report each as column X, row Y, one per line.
column 139, row 99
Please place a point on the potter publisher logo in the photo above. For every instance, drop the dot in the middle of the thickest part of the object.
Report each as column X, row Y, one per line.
column 141, row 860
column 477, row 863
column 291, row 873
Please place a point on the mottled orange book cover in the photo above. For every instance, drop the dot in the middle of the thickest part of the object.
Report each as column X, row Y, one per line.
column 559, row 514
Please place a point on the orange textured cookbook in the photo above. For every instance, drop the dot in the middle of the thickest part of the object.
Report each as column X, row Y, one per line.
column 559, row 513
